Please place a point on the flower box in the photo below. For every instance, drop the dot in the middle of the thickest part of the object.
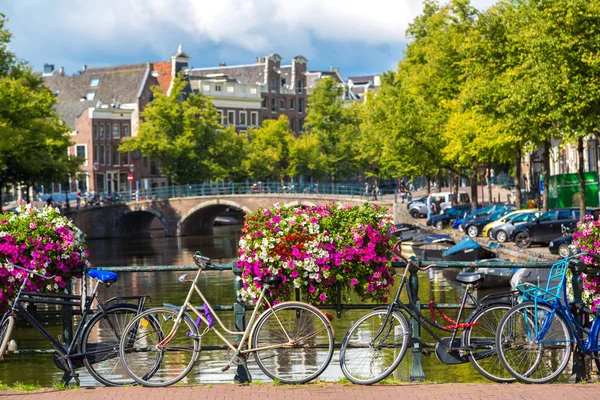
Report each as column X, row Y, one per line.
column 318, row 250
column 587, row 239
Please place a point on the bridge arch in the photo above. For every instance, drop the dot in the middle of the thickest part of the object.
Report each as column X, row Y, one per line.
column 138, row 221
column 200, row 218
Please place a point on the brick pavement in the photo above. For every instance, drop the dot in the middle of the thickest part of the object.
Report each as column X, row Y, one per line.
column 329, row 391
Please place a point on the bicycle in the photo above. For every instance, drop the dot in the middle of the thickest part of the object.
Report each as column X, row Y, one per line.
column 94, row 343
column 535, row 339
column 376, row 343
column 292, row 341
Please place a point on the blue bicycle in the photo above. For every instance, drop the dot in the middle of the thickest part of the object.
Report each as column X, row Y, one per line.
column 535, row 339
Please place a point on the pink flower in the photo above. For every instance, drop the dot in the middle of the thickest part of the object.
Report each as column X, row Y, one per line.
column 294, row 274
column 322, row 297
column 311, row 289
column 32, row 226
column 353, row 281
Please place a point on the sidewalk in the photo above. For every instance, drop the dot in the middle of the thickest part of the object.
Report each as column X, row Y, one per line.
column 324, row 391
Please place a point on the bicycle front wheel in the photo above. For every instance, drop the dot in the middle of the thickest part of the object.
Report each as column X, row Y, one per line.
column 534, row 343
column 374, row 347
column 100, row 344
column 293, row 343
column 481, row 340
column 5, row 331
column 157, row 349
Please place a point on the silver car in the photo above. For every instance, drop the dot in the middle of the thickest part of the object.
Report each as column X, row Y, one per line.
column 418, row 208
column 502, row 232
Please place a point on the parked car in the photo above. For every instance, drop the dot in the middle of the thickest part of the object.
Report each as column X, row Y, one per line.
column 488, row 228
column 481, row 212
column 473, row 227
column 448, row 215
column 418, row 208
column 545, row 228
column 503, row 232
column 561, row 246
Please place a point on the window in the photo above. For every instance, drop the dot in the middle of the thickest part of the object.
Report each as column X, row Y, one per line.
column 300, row 86
column 126, row 158
column 116, row 158
column 96, row 154
column 95, row 131
column 282, row 82
column 153, row 167
column 145, row 162
column 301, row 124
column 206, row 88
column 125, row 130
column 254, row 119
column 282, row 107
column 116, row 131
column 217, row 88
column 223, row 122
column 243, row 121
column 549, row 216
column 293, row 124
column 90, row 96
column 99, row 183
column 80, row 152
column 253, row 90
column 108, row 154
column 108, row 131
column 273, row 85
column 101, row 154
column 265, row 101
column 231, row 117
column 300, row 105
column 292, row 104
column 565, row 214
column 94, row 82
column 101, row 131
column 273, row 105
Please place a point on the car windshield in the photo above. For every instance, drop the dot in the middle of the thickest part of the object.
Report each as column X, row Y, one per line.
column 521, row 217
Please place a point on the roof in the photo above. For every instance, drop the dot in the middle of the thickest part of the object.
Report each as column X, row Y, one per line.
column 163, row 70
column 119, row 84
column 251, row 74
column 313, row 76
column 362, row 79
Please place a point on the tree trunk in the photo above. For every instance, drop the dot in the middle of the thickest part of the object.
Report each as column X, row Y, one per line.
column 474, row 187
column 489, row 184
column 456, row 188
column 439, row 181
column 517, row 178
column 546, row 175
column 581, row 179
column 428, row 180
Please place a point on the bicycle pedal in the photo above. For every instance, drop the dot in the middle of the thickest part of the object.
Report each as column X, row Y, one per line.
column 225, row 368
column 426, row 353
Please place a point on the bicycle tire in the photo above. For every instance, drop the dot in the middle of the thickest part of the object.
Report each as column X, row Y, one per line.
column 311, row 351
column 5, row 330
column 481, row 339
column 358, row 347
column 522, row 354
column 100, row 344
column 139, row 346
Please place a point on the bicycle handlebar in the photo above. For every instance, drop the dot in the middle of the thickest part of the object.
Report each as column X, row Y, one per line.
column 30, row 271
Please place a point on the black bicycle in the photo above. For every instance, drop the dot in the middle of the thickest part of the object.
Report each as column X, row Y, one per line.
column 376, row 343
column 95, row 343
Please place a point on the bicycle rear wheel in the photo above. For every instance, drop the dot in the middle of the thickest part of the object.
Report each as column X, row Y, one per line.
column 301, row 339
column 100, row 344
column 481, row 339
column 5, row 331
column 155, row 342
column 371, row 350
column 534, row 343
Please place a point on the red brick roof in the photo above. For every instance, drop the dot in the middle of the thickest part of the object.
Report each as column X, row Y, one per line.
column 164, row 75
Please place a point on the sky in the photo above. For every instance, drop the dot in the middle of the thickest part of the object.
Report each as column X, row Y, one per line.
column 361, row 37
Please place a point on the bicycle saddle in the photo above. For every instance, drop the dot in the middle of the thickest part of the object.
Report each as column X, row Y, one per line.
column 468, row 278
column 103, row 276
column 270, row 280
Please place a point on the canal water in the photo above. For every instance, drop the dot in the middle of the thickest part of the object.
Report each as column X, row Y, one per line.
column 164, row 287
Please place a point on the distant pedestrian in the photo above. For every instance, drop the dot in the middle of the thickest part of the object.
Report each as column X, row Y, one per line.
column 428, row 206
column 78, row 198
column 49, row 201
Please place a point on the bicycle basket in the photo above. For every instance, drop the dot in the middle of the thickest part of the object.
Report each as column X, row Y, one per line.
column 553, row 290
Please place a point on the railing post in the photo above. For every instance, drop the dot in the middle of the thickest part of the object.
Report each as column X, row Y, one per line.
column 416, row 373
column 581, row 372
column 239, row 309
column 67, row 321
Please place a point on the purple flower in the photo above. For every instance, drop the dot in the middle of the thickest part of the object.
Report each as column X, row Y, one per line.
column 322, row 297
column 311, row 289
column 353, row 281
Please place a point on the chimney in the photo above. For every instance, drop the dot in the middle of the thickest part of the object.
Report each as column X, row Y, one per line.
column 61, row 71
column 335, row 69
column 222, row 64
column 83, row 69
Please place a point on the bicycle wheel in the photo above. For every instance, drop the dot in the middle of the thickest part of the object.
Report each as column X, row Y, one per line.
column 5, row 331
column 100, row 344
column 533, row 343
column 154, row 342
column 371, row 350
column 481, row 339
column 297, row 341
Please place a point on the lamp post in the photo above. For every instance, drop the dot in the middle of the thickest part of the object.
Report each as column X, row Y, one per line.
column 130, row 179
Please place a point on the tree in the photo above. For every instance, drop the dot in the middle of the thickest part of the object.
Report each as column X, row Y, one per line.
column 335, row 127
column 181, row 135
column 33, row 139
column 268, row 150
column 305, row 157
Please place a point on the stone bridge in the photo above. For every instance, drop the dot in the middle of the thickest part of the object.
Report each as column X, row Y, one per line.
column 191, row 215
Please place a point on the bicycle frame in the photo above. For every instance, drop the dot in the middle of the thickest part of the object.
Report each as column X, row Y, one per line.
column 246, row 334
